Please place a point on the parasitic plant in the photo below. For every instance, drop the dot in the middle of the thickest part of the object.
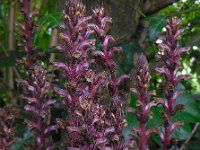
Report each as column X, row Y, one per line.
column 91, row 88
column 171, row 56
column 107, row 54
column 86, row 118
column 143, row 114
column 36, row 86
column 27, row 33
column 94, row 122
column 39, row 106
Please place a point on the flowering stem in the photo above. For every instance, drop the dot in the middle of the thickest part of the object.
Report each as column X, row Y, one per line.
column 36, row 86
column 143, row 139
column 171, row 56
column 28, row 34
column 143, row 102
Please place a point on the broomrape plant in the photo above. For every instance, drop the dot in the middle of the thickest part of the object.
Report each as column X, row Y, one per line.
column 91, row 93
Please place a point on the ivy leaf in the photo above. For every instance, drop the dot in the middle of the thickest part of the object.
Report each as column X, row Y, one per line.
column 156, row 24
column 49, row 21
column 192, row 112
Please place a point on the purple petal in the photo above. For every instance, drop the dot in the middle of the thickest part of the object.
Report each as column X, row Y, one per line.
column 179, row 78
column 156, row 130
column 83, row 20
column 159, row 100
column 61, row 65
column 109, row 130
column 152, row 93
column 181, row 50
column 30, row 99
column 88, row 42
column 32, row 124
column 132, row 110
column 49, row 102
column 134, row 90
column 99, row 53
column 39, row 140
column 96, row 119
column 136, row 129
column 74, row 129
column 174, row 125
column 150, row 105
column 51, row 128
column 121, row 78
column 105, row 42
column 99, row 141
column 159, row 56
column 66, row 37
column 176, row 95
column 165, row 47
column 178, row 33
column 161, row 70
column 64, row 93
column 29, row 108
column 89, row 32
column 62, row 25
column 105, row 20
column 95, row 27
column 60, row 47
column 24, row 82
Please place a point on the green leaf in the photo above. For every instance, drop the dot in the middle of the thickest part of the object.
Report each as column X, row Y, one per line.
column 156, row 24
column 192, row 112
column 10, row 60
column 126, row 63
column 131, row 119
column 182, row 132
column 20, row 141
column 42, row 36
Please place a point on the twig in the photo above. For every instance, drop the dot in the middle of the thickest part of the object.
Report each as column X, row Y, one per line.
column 150, row 7
column 189, row 137
column 53, row 42
column 10, row 48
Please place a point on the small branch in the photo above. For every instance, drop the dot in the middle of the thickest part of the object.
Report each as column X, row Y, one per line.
column 151, row 7
column 189, row 137
column 53, row 42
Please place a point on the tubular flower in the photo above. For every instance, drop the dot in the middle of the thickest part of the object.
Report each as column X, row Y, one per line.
column 141, row 134
column 171, row 56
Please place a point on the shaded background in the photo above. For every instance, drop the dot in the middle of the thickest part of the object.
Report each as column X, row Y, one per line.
column 136, row 26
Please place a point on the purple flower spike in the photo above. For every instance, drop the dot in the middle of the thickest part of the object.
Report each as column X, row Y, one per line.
column 101, row 30
column 171, row 56
column 39, row 107
column 36, row 87
column 95, row 121
column 141, row 134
